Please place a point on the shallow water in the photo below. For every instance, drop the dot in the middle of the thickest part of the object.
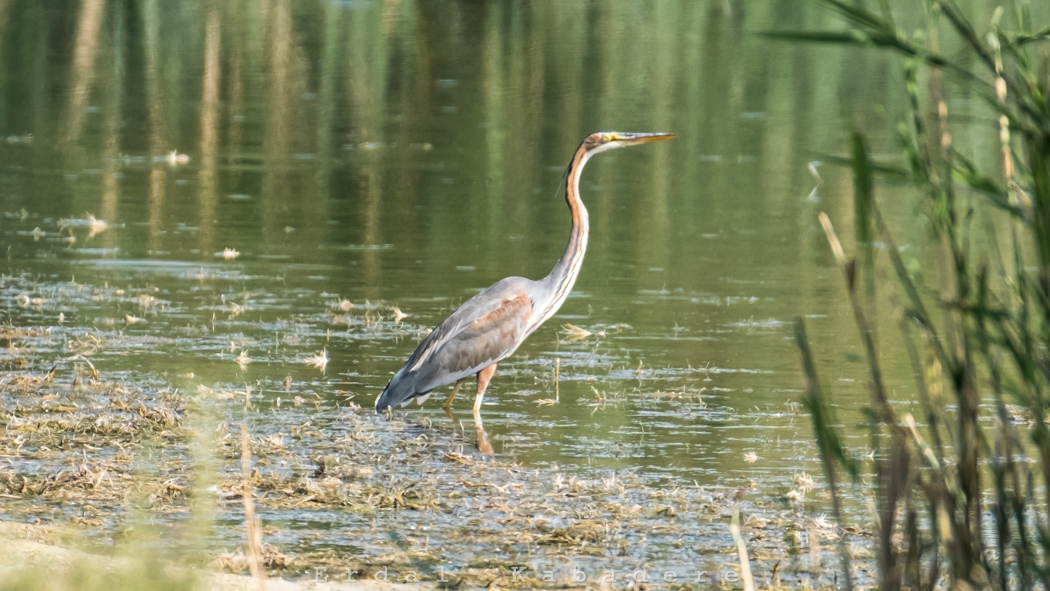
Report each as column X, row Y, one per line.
column 410, row 154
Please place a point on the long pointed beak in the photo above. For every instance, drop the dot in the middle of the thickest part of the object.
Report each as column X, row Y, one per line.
column 631, row 139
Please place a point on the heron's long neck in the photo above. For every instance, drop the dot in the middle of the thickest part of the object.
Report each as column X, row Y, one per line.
column 560, row 280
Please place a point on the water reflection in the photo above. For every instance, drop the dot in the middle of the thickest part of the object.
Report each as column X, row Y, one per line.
column 209, row 125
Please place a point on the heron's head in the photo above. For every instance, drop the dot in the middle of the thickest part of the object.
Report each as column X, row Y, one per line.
column 601, row 141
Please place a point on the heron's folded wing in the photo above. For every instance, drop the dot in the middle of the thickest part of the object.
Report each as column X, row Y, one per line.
column 477, row 344
column 485, row 302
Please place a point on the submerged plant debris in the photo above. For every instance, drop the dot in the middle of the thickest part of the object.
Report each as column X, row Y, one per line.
column 343, row 492
column 352, row 491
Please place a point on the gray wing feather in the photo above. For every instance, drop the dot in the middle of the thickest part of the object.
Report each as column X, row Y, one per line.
column 485, row 329
column 477, row 345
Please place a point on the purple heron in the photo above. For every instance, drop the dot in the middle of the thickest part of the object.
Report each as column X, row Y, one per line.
column 490, row 326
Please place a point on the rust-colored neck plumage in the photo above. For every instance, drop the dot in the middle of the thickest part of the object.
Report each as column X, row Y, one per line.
column 560, row 280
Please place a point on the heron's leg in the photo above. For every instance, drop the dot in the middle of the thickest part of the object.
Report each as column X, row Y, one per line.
column 448, row 401
column 484, row 377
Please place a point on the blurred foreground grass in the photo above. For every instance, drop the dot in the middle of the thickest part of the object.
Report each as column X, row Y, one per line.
column 39, row 558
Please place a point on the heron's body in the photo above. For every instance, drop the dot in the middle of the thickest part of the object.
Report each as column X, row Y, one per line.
column 486, row 329
column 490, row 326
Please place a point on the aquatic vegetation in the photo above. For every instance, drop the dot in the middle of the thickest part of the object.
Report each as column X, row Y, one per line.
column 320, row 360
column 574, row 333
column 242, row 360
column 955, row 498
column 174, row 158
column 96, row 226
column 343, row 305
column 422, row 490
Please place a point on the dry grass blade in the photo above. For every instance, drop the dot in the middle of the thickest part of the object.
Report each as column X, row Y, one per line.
column 575, row 333
column 343, row 305
column 320, row 360
column 557, row 378
column 94, row 372
column 741, row 548
column 833, row 239
column 254, row 524
column 96, row 226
